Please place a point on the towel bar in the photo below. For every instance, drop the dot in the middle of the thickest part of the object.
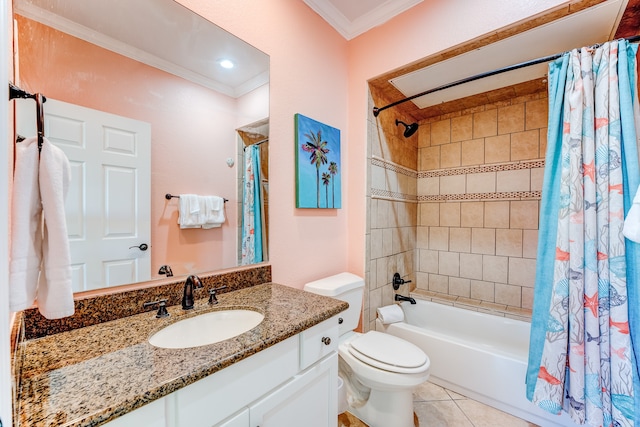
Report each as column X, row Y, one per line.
column 170, row 196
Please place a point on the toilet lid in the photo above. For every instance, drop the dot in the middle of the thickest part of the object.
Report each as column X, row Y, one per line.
column 389, row 352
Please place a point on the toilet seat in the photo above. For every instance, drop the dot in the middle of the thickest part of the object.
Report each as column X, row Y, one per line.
column 388, row 352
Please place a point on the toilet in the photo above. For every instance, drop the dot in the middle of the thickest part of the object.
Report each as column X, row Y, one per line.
column 380, row 371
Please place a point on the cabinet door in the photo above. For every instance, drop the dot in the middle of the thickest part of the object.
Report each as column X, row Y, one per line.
column 309, row 399
column 150, row 415
column 238, row 420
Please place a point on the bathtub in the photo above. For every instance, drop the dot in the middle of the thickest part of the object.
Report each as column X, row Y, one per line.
column 478, row 355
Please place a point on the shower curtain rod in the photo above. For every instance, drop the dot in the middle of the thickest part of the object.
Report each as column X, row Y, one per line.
column 262, row 141
column 377, row 110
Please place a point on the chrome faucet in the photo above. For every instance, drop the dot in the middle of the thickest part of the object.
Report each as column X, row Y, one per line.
column 193, row 282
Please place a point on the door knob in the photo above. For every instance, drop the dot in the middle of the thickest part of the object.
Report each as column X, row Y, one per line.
column 143, row 247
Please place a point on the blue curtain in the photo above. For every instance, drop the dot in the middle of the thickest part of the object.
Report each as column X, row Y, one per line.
column 584, row 332
column 252, row 215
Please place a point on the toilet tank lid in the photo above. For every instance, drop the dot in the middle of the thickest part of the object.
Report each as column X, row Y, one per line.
column 335, row 285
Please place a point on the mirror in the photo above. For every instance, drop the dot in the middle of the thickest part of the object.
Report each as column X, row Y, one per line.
column 157, row 65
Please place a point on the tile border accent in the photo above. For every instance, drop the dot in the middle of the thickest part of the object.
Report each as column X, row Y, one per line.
column 393, row 196
column 482, row 169
column 386, row 164
column 511, row 195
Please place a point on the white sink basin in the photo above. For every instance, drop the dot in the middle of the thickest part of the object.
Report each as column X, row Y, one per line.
column 206, row 329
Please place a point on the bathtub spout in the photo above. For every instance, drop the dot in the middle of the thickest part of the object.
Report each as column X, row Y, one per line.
column 403, row 298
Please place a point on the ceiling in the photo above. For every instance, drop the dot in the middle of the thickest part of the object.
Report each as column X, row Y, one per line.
column 160, row 33
column 354, row 17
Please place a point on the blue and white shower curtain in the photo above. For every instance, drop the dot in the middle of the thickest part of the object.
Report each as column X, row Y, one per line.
column 584, row 332
column 252, row 207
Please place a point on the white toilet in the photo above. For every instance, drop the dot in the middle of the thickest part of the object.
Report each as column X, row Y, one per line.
column 380, row 371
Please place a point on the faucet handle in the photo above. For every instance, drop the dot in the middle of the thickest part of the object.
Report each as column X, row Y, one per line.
column 162, row 307
column 212, row 294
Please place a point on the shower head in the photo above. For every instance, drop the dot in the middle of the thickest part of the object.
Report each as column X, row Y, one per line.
column 409, row 129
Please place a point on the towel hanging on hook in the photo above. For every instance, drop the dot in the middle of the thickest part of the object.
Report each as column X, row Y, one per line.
column 16, row 92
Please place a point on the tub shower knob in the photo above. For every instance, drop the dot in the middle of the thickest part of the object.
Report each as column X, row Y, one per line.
column 326, row 340
column 397, row 281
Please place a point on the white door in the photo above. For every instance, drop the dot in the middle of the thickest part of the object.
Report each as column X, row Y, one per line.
column 108, row 204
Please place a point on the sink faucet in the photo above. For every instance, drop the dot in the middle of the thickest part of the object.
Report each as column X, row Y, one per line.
column 193, row 282
column 403, row 298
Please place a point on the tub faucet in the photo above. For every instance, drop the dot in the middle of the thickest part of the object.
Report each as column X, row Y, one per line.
column 403, row 298
column 193, row 282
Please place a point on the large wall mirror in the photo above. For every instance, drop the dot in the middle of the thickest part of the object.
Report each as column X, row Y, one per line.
column 139, row 99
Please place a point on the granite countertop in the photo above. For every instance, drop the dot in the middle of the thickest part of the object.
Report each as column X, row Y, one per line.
column 91, row 375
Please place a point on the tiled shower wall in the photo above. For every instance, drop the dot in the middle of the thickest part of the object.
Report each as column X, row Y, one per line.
column 463, row 224
column 479, row 181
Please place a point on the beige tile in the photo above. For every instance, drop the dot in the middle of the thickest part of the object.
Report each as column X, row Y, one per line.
column 461, row 128
column 485, row 123
column 509, row 242
column 422, row 281
column 483, row 241
column 429, row 158
column 511, row 119
column 441, row 132
column 536, row 115
column 471, row 266
column 454, row 184
column 440, row 414
column 543, row 142
column 450, row 214
column 427, row 392
column 473, row 152
column 429, row 186
column 497, row 149
column 460, row 239
column 484, row 182
column 515, row 180
column 460, row 287
column 494, row 268
column 527, row 298
column 439, row 283
column 387, row 241
column 439, row 238
column 496, row 214
column 424, row 134
column 449, row 263
column 422, row 237
column 429, row 214
column 471, row 214
column 529, row 243
column 524, row 214
column 428, row 261
column 522, row 272
column 508, row 294
column 485, row 416
column 525, row 145
column 376, row 243
column 482, row 290
column 382, row 266
column 537, row 178
column 454, row 395
column 450, row 155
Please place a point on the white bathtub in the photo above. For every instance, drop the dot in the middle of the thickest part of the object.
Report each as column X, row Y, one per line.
column 475, row 354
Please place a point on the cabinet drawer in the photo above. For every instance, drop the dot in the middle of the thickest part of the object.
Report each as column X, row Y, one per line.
column 318, row 341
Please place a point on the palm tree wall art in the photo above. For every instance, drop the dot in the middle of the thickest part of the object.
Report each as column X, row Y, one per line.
column 317, row 164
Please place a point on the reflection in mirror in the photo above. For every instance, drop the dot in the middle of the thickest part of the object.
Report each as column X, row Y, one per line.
column 122, row 77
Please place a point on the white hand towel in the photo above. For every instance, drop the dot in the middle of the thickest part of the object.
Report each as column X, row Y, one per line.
column 189, row 215
column 26, row 233
column 214, row 211
column 55, row 291
column 390, row 314
column 631, row 228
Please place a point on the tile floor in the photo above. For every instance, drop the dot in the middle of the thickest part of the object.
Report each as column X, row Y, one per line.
column 438, row 407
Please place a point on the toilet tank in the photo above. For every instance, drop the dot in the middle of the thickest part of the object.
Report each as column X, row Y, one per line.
column 346, row 287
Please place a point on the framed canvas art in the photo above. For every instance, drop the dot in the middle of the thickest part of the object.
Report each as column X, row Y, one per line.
column 318, row 167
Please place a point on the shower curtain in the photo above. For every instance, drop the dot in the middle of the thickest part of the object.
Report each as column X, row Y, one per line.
column 252, row 207
column 585, row 316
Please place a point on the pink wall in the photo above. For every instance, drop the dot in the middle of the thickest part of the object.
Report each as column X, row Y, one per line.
column 314, row 71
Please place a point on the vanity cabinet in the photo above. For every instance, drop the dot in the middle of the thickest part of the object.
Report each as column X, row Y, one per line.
column 292, row 383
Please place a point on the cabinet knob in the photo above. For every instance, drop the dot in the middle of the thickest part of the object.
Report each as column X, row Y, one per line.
column 340, row 320
column 326, row 340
